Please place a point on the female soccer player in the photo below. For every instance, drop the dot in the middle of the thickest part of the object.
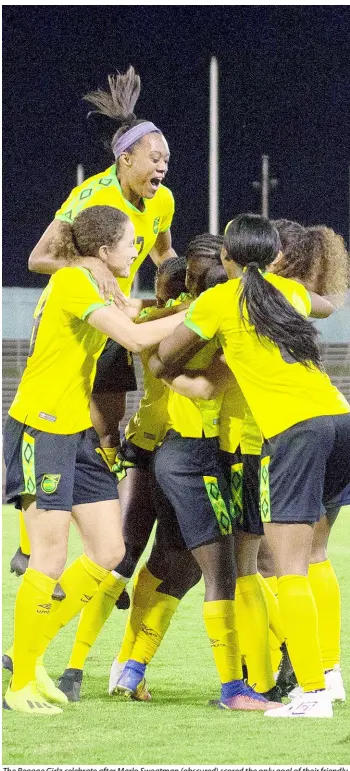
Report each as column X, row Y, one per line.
column 49, row 445
column 272, row 349
column 144, row 431
column 132, row 184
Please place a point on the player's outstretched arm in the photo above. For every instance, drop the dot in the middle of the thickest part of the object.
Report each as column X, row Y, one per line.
column 135, row 337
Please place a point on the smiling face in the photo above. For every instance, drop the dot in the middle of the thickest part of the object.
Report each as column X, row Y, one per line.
column 142, row 170
column 120, row 256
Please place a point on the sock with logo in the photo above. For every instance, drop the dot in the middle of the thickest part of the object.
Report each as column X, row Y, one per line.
column 93, row 616
column 80, row 582
column 32, row 615
column 23, row 536
column 299, row 620
column 155, row 622
column 253, row 632
column 145, row 583
column 220, row 623
column 326, row 591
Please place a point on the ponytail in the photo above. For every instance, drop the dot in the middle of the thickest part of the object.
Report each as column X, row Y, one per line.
column 253, row 243
column 274, row 318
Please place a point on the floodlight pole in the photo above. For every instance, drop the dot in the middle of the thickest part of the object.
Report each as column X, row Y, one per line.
column 214, row 146
column 265, row 185
column 80, row 174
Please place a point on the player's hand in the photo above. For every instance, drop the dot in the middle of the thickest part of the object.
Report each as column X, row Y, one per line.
column 105, row 280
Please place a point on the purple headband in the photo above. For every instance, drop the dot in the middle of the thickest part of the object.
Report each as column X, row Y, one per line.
column 131, row 136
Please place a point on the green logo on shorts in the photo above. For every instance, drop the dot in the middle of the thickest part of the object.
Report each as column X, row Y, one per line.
column 49, row 483
column 156, row 225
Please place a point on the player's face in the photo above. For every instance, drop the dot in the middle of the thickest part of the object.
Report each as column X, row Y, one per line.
column 120, row 257
column 162, row 291
column 147, row 165
column 194, row 271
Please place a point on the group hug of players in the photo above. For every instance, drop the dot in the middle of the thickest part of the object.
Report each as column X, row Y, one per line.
column 239, row 450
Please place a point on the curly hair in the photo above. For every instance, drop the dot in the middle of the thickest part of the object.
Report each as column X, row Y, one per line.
column 315, row 255
column 93, row 227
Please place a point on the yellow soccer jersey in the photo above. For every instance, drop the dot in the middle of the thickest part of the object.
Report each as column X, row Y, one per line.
column 251, row 437
column 231, row 418
column 280, row 392
column 103, row 189
column 196, row 417
column 55, row 389
column 149, row 425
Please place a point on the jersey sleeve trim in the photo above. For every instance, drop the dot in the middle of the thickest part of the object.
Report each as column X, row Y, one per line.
column 94, row 307
column 197, row 330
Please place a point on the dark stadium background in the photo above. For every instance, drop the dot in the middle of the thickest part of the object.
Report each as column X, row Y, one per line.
column 284, row 91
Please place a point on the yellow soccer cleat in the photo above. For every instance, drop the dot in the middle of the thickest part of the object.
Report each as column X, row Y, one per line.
column 29, row 700
column 46, row 685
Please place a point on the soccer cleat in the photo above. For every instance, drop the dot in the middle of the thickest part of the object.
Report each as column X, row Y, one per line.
column 29, row 700
column 273, row 694
column 286, row 679
column 310, row 704
column 19, row 562
column 58, row 593
column 7, row 662
column 132, row 685
column 70, row 683
column 247, row 699
column 46, row 685
column 123, row 601
column 114, row 675
column 334, row 684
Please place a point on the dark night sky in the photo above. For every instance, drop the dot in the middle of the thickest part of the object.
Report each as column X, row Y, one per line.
column 284, row 91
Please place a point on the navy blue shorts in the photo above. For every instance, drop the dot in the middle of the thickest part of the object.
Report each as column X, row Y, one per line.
column 191, row 477
column 242, row 474
column 115, row 370
column 306, row 470
column 59, row 470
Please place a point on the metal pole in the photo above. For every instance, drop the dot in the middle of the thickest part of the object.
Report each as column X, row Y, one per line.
column 214, row 146
column 80, row 174
column 265, row 183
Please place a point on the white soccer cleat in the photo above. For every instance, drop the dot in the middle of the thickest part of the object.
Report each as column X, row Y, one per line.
column 335, row 685
column 116, row 669
column 310, row 704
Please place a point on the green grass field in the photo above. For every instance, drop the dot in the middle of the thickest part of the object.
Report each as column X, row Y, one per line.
column 177, row 727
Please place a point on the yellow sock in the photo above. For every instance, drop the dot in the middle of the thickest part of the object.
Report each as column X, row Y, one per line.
column 108, row 454
column 93, row 617
column 79, row 581
column 23, row 535
column 299, row 620
column 253, row 632
column 155, row 622
column 275, row 622
column 325, row 588
column 32, row 616
column 276, row 635
column 144, row 586
column 220, row 623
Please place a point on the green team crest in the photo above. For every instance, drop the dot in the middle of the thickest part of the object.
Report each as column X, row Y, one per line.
column 49, row 483
column 156, row 225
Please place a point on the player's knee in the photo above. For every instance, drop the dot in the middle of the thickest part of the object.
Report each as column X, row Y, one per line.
column 110, row 556
column 127, row 564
